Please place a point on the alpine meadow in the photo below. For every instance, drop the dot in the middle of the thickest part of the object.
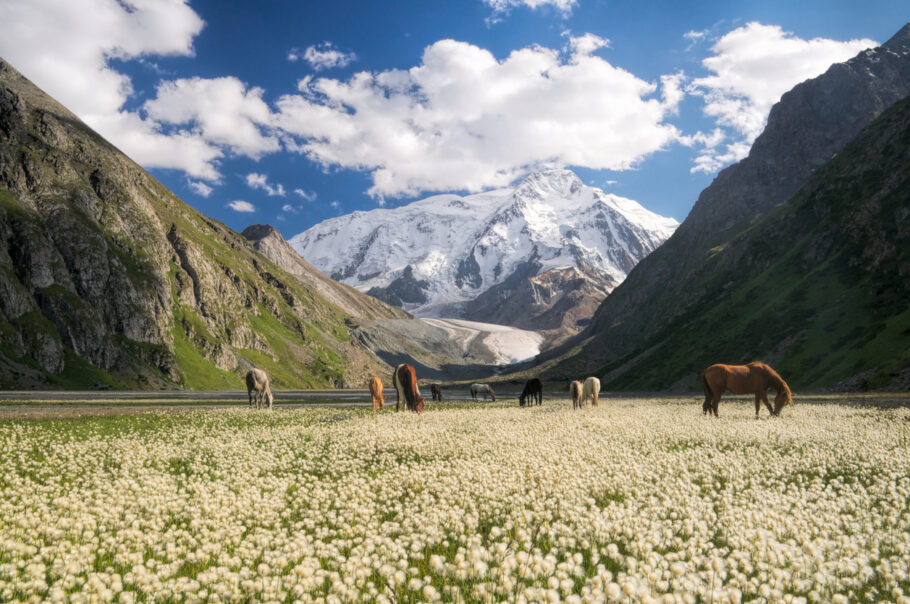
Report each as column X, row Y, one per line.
column 466, row 301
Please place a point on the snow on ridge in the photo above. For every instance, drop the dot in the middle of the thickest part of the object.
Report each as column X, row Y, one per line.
column 461, row 246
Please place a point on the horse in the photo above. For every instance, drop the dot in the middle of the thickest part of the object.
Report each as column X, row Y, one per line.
column 405, row 381
column 376, row 393
column 754, row 378
column 436, row 391
column 591, row 389
column 257, row 381
column 482, row 389
column 533, row 389
column 575, row 388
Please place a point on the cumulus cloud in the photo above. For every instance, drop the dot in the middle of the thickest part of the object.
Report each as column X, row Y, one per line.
column 564, row 7
column 462, row 119
column 306, row 195
column 223, row 110
column 241, row 206
column 75, row 69
column 200, row 188
column 260, row 181
column 322, row 56
column 751, row 67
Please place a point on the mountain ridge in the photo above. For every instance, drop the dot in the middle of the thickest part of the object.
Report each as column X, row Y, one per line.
column 455, row 249
column 109, row 280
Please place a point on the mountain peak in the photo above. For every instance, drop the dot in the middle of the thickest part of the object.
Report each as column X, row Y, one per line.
column 899, row 42
column 560, row 182
column 255, row 232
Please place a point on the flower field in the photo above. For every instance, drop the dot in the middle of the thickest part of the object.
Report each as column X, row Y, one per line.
column 637, row 500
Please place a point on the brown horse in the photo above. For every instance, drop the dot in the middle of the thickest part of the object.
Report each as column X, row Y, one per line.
column 575, row 389
column 405, row 381
column 754, row 378
column 376, row 393
column 436, row 391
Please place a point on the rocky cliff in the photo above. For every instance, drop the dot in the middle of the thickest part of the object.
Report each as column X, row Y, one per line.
column 109, row 280
column 809, row 126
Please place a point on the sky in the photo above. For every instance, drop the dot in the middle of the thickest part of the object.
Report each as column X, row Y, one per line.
column 289, row 112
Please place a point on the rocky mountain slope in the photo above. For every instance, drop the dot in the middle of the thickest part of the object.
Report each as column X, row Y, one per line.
column 441, row 350
column 539, row 256
column 267, row 240
column 109, row 280
column 809, row 126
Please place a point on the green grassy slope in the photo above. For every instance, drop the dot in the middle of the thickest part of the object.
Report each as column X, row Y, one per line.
column 820, row 287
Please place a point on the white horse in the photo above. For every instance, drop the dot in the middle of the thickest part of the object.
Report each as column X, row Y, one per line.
column 591, row 388
column 257, row 381
column 482, row 389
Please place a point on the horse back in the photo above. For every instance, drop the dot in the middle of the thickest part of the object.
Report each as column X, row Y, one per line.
column 738, row 379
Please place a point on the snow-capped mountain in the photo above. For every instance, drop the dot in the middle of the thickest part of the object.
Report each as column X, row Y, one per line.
column 436, row 256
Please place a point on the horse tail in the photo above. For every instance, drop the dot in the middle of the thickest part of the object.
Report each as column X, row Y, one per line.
column 706, row 386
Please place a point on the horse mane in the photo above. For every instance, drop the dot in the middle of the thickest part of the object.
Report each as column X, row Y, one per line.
column 777, row 382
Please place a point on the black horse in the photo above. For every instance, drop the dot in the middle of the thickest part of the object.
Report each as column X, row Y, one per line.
column 532, row 389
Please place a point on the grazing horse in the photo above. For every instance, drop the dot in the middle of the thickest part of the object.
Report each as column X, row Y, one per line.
column 754, row 378
column 436, row 391
column 575, row 389
column 257, row 381
column 482, row 389
column 533, row 389
column 376, row 393
column 405, row 381
column 591, row 389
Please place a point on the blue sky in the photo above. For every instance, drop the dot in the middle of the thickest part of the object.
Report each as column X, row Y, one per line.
column 289, row 113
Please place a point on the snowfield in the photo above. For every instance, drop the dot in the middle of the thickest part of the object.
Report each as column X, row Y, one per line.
column 508, row 344
column 637, row 500
column 458, row 247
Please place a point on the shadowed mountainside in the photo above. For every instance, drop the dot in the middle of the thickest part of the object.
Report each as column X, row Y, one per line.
column 677, row 282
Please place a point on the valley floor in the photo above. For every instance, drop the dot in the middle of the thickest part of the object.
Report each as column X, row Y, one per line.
column 635, row 500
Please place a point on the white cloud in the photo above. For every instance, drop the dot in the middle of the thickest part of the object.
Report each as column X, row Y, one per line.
column 221, row 109
column 752, row 66
column 306, row 195
column 200, row 188
column 564, row 7
column 335, row 205
column 260, row 181
column 586, row 44
column 464, row 120
column 64, row 47
column 292, row 209
column 322, row 56
column 241, row 206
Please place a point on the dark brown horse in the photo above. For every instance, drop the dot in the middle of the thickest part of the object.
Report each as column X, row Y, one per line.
column 436, row 391
column 405, row 381
column 754, row 378
column 533, row 389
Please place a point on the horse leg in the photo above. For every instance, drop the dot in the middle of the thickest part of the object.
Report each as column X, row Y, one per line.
column 715, row 402
column 757, row 404
column 764, row 397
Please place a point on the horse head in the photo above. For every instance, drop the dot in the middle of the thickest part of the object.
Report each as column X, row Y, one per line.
column 782, row 399
column 419, row 404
